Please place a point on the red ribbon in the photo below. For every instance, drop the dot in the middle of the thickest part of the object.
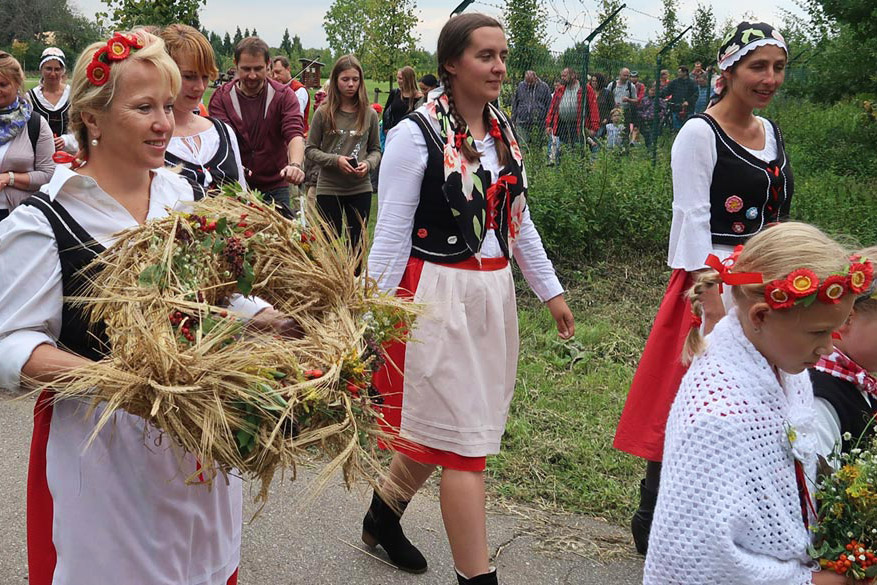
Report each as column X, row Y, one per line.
column 696, row 321
column 459, row 138
column 804, row 493
column 494, row 129
column 493, row 192
column 732, row 278
column 63, row 158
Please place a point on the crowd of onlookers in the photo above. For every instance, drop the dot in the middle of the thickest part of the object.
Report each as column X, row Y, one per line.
column 610, row 113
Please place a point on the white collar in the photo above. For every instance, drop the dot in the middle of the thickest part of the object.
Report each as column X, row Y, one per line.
column 167, row 187
column 65, row 97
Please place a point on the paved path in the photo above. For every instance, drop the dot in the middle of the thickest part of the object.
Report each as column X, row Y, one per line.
column 294, row 544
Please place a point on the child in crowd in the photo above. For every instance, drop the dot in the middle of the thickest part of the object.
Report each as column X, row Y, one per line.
column 343, row 141
column 615, row 130
column 733, row 507
column 844, row 385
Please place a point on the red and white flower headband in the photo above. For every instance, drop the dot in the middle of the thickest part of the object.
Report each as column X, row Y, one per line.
column 801, row 286
column 118, row 48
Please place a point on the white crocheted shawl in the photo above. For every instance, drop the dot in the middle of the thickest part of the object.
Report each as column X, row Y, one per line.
column 728, row 508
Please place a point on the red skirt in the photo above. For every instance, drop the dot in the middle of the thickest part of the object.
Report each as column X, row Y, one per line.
column 389, row 381
column 640, row 431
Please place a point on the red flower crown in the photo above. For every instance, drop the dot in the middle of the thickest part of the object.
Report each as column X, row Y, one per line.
column 802, row 286
column 117, row 49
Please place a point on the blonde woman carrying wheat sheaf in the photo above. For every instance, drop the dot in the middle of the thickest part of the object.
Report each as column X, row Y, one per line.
column 120, row 510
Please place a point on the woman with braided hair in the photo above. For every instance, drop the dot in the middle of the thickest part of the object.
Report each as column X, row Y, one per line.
column 731, row 178
column 452, row 213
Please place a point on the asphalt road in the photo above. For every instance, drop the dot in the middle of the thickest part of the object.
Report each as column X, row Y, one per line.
column 292, row 542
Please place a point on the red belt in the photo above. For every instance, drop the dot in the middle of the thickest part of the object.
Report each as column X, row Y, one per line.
column 486, row 264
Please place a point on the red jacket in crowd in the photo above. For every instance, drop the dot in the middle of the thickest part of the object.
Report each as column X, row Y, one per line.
column 593, row 115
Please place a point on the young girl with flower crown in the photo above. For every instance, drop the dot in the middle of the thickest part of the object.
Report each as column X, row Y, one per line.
column 452, row 214
column 734, row 506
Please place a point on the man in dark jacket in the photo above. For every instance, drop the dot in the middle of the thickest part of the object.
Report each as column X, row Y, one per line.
column 266, row 118
column 681, row 94
column 530, row 106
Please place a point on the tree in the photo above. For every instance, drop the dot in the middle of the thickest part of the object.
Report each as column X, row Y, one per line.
column 247, row 32
column 297, row 49
column 286, row 43
column 254, row 33
column 238, row 37
column 669, row 21
column 227, row 47
column 127, row 14
column 525, row 25
column 611, row 42
column 345, row 24
column 390, row 37
column 704, row 41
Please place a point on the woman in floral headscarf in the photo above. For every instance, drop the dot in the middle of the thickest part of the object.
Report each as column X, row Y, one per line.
column 452, row 214
column 731, row 178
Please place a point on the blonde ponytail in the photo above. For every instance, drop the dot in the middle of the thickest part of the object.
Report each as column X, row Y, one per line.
column 694, row 342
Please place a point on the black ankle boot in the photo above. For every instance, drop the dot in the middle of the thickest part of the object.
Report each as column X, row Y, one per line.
column 381, row 527
column 641, row 525
column 485, row 579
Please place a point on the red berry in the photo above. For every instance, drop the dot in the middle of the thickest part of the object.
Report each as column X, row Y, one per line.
column 242, row 224
column 248, row 233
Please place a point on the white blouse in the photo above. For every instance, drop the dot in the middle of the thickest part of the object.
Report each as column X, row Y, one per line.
column 693, row 159
column 71, row 145
column 187, row 149
column 402, row 169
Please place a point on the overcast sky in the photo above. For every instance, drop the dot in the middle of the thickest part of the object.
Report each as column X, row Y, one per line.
column 305, row 17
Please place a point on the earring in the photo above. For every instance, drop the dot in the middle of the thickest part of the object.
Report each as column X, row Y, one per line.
column 94, row 141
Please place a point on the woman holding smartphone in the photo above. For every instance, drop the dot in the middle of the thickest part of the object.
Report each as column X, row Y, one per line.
column 344, row 142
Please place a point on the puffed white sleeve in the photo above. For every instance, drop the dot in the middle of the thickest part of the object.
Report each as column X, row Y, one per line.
column 699, row 532
column 534, row 263
column 31, row 291
column 692, row 159
column 402, row 168
column 242, row 175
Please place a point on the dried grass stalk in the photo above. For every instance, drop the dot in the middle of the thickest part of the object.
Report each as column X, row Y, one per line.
column 240, row 400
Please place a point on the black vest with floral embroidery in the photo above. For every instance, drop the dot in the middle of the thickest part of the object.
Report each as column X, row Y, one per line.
column 746, row 193
column 436, row 235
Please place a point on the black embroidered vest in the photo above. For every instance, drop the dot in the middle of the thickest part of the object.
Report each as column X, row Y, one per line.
column 436, row 235
column 57, row 119
column 746, row 193
column 852, row 409
column 76, row 249
column 222, row 167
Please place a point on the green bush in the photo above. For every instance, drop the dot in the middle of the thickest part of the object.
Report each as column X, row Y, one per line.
column 620, row 204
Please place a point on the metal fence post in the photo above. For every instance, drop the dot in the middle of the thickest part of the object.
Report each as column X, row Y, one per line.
column 586, row 61
column 656, row 126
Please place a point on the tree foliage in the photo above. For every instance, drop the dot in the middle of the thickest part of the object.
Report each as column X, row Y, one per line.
column 704, row 40
column 379, row 32
column 286, row 43
column 669, row 21
column 238, row 37
column 525, row 27
column 127, row 14
column 611, row 43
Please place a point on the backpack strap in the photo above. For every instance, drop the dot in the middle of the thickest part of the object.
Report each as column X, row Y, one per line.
column 33, row 130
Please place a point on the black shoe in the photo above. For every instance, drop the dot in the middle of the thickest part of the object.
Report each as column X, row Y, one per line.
column 381, row 527
column 641, row 525
column 485, row 579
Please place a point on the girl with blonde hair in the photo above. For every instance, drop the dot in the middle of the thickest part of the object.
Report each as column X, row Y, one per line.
column 740, row 438
column 403, row 99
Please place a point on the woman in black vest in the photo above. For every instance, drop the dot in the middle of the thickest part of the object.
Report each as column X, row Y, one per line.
column 51, row 98
column 452, row 213
column 205, row 149
column 731, row 178
column 83, row 502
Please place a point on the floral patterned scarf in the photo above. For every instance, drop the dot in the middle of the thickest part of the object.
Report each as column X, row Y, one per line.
column 13, row 119
column 476, row 208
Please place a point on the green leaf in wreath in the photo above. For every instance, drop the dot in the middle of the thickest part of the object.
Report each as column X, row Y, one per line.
column 207, row 243
column 222, row 226
column 219, row 245
column 871, row 572
column 246, row 279
column 151, row 276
